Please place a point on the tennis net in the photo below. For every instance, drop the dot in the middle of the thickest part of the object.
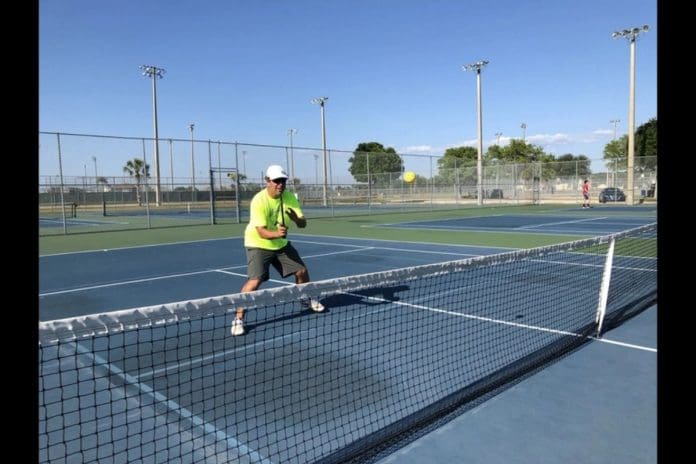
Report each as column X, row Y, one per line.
column 393, row 352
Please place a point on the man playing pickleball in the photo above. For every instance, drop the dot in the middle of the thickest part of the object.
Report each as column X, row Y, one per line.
column 266, row 243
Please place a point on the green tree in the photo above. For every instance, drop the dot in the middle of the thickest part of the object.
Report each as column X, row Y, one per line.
column 138, row 169
column 458, row 165
column 569, row 165
column 645, row 149
column 646, row 146
column 529, row 156
column 616, row 152
column 384, row 163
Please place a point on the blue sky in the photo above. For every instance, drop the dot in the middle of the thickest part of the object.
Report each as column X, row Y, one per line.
column 246, row 70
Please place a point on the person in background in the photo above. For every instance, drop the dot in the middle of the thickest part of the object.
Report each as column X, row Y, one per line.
column 586, row 194
column 266, row 243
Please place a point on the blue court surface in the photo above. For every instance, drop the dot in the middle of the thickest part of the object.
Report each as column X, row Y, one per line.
column 591, row 224
column 596, row 405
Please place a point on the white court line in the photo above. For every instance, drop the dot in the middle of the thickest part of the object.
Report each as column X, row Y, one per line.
column 565, row 263
column 576, row 221
column 223, row 354
column 508, row 323
column 176, row 408
column 185, row 274
column 480, row 229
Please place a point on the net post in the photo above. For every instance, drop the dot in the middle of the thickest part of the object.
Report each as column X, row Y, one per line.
column 604, row 288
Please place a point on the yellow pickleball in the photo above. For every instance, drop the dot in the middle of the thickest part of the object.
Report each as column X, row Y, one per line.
column 409, row 176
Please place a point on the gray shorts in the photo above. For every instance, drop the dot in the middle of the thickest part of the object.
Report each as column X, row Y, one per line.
column 286, row 261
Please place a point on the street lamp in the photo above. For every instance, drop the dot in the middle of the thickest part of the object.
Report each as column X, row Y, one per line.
column 631, row 35
column 497, row 138
column 479, row 164
column 154, row 72
column 292, row 158
column 614, row 122
column 193, row 167
column 320, row 101
column 524, row 132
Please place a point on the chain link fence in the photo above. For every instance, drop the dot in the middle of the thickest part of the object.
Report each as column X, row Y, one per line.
column 86, row 182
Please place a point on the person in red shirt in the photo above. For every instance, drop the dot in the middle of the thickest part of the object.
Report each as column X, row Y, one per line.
column 586, row 194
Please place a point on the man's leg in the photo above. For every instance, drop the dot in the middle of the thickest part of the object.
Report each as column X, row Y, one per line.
column 249, row 286
column 258, row 263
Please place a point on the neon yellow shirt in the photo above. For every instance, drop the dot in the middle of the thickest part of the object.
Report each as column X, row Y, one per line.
column 265, row 211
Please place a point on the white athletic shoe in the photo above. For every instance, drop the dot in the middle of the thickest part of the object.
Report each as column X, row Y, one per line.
column 238, row 327
column 311, row 303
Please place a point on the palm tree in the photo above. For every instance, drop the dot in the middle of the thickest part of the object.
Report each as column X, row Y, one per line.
column 138, row 169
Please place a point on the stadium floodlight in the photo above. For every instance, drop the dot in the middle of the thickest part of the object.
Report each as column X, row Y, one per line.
column 631, row 35
column 479, row 164
column 321, row 101
column 193, row 166
column 291, row 132
column 154, row 72
column 524, row 132
column 614, row 122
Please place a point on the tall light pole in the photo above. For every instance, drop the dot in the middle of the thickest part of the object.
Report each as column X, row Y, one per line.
column 524, row 132
column 153, row 72
column 193, row 167
column 244, row 161
column 497, row 138
column 631, row 35
column 316, row 169
column 479, row 164
column 320, row 101
column 614, row 122
column 292, row 158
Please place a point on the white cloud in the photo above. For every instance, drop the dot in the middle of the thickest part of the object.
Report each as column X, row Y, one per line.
column 602, row 131
column 548, row 139
column 418, row 149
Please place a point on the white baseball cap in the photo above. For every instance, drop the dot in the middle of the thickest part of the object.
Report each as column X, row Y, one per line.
column 276, row 172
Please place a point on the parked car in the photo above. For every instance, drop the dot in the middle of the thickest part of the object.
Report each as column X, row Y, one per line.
column 495, row 193
column 611, row 194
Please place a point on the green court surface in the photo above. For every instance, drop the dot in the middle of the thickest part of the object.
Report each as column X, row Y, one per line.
column 359, row 226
